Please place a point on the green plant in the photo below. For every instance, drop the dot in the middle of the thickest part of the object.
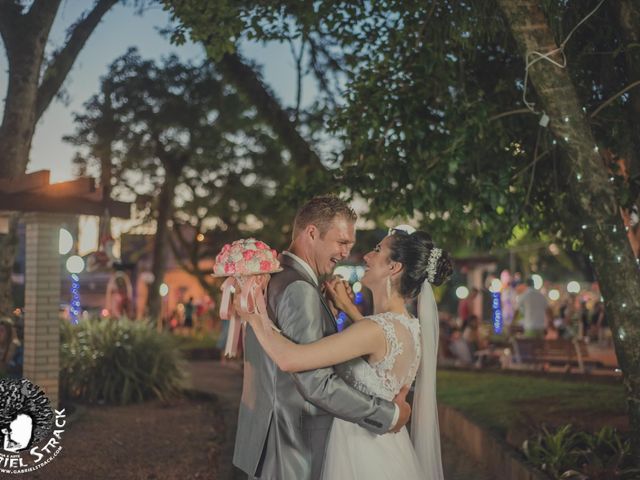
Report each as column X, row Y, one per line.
column 119, row 361
column 553, row 452
column 604, row 455
column 568, row 455
column 196, row 342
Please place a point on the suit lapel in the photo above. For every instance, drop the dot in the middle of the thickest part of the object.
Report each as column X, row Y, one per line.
column 326, row 307
column 287, row 261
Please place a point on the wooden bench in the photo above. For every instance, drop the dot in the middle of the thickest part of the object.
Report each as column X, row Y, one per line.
column 540, row 354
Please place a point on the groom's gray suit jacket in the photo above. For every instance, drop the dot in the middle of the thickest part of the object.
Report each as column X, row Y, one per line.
column 284, row 419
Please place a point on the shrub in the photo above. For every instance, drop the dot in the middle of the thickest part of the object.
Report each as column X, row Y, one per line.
column 552, row 452
column 569, row 455
column 118, row 361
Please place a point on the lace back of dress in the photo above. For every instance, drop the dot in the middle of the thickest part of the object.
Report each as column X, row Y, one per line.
column 400, row 365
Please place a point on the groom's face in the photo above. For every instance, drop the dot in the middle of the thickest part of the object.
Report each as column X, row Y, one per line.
column 334, row 246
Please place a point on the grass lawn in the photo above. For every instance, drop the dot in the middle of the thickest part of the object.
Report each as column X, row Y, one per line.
column 197, row 341
column 504, row 402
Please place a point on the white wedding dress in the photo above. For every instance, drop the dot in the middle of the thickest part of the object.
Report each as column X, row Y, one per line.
column 354, row 453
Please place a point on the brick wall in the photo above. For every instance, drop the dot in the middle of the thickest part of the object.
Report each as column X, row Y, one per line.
column 42, row 298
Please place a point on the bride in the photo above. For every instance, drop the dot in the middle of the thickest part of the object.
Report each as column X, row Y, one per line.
column 397, row 347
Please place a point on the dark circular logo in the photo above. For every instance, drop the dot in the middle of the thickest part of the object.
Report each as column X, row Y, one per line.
column 26, row 422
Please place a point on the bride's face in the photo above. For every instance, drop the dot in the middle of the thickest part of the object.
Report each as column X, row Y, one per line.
column 377, row 265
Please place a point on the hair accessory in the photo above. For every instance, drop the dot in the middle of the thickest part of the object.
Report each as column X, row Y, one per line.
column 432, row 264
column 408, row 229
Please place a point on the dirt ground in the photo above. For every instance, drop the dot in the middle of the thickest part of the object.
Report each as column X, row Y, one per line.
column 180, row 440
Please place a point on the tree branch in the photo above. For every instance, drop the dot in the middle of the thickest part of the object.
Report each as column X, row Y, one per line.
column 42, row 12
column 200, row 275
column 510, row 112
column 9, row 17
column 297, row 56
column 63, row 60
column 611, row 99
column 248, row 81
column 319, row 71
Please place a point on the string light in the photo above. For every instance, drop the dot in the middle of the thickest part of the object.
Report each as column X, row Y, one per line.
column 74, row 307
column 579, row 176
column 342, row 317
column 566, row 119
column 566, row 139
column 358, row 298
column 621, row 333
column 613, row 226
column 496, row 305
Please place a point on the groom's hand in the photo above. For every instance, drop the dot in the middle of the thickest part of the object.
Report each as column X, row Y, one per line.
column 405, row 409
column 330, row 282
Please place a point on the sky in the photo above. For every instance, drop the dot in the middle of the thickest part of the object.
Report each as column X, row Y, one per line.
column 120, row 29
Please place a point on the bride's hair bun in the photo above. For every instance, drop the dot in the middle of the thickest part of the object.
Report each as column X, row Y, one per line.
column 422, row 260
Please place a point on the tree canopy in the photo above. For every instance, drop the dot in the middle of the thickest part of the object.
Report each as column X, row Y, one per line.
column 191, row 150
column 433, row 121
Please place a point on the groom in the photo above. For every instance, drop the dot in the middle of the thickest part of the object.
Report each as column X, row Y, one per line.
column 285, row 419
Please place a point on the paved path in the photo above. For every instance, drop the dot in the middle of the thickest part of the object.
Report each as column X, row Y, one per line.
column 226, row 383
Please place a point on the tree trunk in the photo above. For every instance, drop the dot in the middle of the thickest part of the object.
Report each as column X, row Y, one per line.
column 25, row 41
column 248, row 81
column 592, row 196
column 106, row 132
column 25, row 44
column 173, row 170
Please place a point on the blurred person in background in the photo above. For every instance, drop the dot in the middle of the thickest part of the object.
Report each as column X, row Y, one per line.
column 466, row 307
column 533, row 310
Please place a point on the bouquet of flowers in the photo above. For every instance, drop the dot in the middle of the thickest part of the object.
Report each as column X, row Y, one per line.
column 247, row 264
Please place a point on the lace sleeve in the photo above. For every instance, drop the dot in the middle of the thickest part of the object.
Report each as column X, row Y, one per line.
column 394, row 348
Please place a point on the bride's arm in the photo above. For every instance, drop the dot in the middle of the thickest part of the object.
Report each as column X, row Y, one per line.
column 361, row 338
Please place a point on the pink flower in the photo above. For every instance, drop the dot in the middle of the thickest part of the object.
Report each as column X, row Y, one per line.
column 274, row 251
column 226, row 248
column 248, row 254
column 265, row 266
column 230, row 268
column 261, row 245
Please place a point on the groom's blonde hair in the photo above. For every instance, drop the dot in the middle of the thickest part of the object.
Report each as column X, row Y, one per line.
column 320, row 211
